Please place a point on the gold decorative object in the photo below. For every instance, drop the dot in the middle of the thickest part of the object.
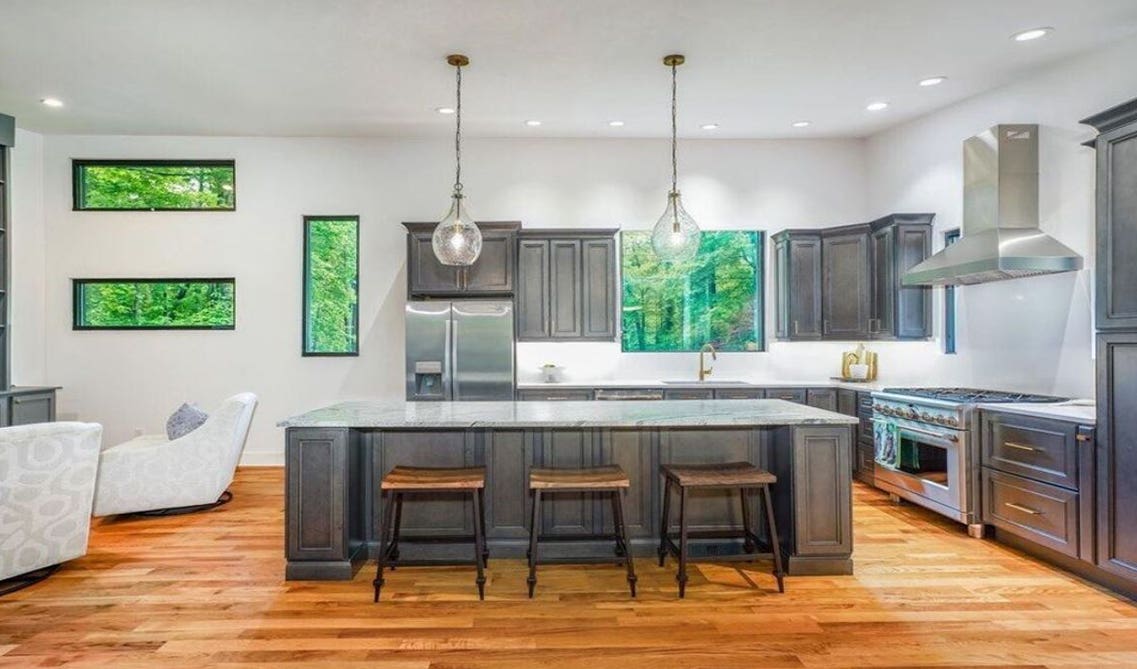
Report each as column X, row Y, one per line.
column 861, row 356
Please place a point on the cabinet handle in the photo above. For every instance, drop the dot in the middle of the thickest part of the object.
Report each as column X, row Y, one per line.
column 795, row 327
column 1021, row 447
column 1024, row 509
column 1083, row 437
column 825, row 326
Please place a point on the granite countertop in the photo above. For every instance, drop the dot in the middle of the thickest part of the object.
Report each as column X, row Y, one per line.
column 868, row 386
column 1077, row 411
column 464, row 415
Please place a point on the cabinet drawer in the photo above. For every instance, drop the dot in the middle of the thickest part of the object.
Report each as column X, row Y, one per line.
column 1040, row 449
column 822, row 398
column 692, row 394
column 577, row 395
column 788, row 394
column 740, row 394
column 1038, row 512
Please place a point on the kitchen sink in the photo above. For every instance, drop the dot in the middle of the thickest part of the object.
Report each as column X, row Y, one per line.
column 708, row 382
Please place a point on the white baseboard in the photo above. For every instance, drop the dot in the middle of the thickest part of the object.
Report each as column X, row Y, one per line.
column 262, row 459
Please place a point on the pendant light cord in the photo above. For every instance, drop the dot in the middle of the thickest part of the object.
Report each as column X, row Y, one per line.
column 674, row 140
column 458, row 136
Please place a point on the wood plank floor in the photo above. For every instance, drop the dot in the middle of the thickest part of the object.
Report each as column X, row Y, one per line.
column 206, row 590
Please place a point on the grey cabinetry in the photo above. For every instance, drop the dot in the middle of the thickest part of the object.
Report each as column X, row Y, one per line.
column 822, row 398
column 797, row 256
column 567, row 286
column 798, row 395
column 898, row 242
column 491, row 275
column 845, row 303
column 689, row 394
column 555, row 395
column 26, row 406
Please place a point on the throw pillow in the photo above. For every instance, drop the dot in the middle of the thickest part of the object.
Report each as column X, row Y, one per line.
column 186, row 419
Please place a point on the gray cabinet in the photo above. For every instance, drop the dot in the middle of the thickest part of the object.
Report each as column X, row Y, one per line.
column 491, row 275
column 897, row 243
column 797, row 267
column 555, row 395
column 845, row 302
column 689, row 394
column 6, row 125
column 566, row 285
column 822, row 398
column 26, row 406
column 1117, row 454
column 797, row 395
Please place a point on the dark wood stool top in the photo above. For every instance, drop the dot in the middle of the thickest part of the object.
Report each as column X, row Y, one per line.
column 435, row 478
column 727, row 475
column 610, row 476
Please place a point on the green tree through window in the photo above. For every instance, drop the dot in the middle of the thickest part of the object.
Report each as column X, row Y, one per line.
column 715, row 298
column 154, row 304
column 154, row 184
column 331, row 285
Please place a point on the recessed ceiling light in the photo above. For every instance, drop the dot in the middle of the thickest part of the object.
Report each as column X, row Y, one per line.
column 52, row 102
column 1032, row 34
column 616, row 124
column 710, row 126
column 877, row 106
column 445, row 110
column 933, row 81
column 532, row 123
column 801, row 124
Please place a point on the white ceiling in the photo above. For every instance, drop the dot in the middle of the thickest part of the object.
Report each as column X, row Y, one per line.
column 375, row 67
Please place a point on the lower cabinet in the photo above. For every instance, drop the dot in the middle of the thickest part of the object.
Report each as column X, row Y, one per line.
column 788, row 394
column 1117, row 455
column 822, row 398
column 27, row 408
column 552, row 395
column 689, row 394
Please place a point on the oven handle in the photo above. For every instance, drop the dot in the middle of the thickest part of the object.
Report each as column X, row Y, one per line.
column 927, row 433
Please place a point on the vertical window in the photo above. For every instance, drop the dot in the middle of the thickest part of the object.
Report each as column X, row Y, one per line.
column 154, row 185
column 154, row 304
column 331, row 285
column 950, row 237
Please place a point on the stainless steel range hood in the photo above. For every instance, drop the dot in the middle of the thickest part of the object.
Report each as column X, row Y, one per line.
column 1001, row 239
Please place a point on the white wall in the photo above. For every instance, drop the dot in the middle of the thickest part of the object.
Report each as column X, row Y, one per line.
column 28, row 255
column 129, row 380
column 1030, row 334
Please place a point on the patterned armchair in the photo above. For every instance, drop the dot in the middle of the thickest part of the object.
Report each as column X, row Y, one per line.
column 47, row 484
column 151, row 473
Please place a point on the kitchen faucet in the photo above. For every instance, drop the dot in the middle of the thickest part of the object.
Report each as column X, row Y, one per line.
column 705, row 371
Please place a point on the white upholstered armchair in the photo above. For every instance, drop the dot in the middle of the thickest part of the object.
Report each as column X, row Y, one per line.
column 47, row 484
column 152, row 473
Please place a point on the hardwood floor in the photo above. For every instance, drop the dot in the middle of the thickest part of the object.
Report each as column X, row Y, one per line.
column 206, row 590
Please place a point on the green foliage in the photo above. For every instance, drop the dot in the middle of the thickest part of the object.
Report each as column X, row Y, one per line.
column 713, row 298
column 156, row 187
column 150, row 304
column 331, row 278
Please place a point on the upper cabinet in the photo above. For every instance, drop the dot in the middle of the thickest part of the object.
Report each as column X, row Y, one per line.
column 844, row 283
column 491, row 275
column 1116, row 216
column 566, row 285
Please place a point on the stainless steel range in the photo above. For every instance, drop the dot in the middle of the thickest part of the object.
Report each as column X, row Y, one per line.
column 927, row 447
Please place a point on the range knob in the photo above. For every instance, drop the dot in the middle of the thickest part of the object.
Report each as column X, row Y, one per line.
column 912, row 414
column 927, row 417
column 878, row 407
column 952, row 420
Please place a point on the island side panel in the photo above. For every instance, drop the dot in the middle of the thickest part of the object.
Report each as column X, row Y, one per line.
column 325, row 489
column 813, row 498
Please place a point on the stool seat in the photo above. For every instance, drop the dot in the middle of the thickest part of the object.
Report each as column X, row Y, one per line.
column 434, row 478
column 728, row 475
column 578, row 479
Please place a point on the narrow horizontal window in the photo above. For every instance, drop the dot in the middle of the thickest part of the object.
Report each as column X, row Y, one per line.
column 331, row 285
column 154, row 185
column 154, row 304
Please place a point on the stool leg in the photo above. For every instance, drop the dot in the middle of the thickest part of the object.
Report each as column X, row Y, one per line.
column 388, row 520
column 665, row 521
column 748, row 543
column 682, row 575
column 479, row 544
column 775, row 546
column 622, row 534
column 395, row 530
column 482, row 519
column 534, row 533
column 621, row 545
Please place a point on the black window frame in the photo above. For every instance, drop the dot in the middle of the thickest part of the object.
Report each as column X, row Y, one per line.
column 950, row 237
column 304, row 352
column 77, row 165
column 76, row 303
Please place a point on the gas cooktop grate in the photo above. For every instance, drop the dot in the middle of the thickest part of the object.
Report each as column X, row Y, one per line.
column 973, row 395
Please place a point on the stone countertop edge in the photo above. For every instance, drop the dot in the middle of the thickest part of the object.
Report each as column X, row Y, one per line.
column 1085, row 415
column 28, row 390
column 586, row 414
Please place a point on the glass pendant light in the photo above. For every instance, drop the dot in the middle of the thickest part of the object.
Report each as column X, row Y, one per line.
column 676, row 236
column 457, row 241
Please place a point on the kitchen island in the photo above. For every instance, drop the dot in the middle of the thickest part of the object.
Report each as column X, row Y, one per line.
column 336, row 456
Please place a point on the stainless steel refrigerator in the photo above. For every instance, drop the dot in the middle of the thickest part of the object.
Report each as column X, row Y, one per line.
column 460, row 350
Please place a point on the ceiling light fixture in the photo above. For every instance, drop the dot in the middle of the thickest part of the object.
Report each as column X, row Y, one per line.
column 801, row 124
column 877, row 106
column 457, row 241
column 52, row 102
column 933, row 81
column 1032, row 34
column 616, row 124
column 710, row 126
column 532, row 123
column 676, row 236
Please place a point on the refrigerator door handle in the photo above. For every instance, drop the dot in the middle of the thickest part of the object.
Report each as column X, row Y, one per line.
column 456, row 385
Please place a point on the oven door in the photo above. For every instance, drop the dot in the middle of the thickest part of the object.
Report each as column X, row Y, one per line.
column 925, row 462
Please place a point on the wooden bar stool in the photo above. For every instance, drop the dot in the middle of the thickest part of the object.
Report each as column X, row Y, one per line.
column 610, row 480
column 402, row 481
column 741, row 476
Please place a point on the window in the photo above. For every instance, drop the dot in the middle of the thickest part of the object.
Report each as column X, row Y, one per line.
column 331, row 285
column 714, row 298
column 950, row 237
column 154, row 185
column 154, row 304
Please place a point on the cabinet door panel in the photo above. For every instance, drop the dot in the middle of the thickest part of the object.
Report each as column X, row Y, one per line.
column 709, row 509
column 805, row 276
column 430, row 513
column 427, row 275
column 632, row 450
column 1117, row 229
column 913, row 303
column 565, row 306
column 493, row 271
column 599, row 286
column 1117, row 454
column 883, row 246
column 533, row 289
column 30, row 409
column 822, row 398
column 566, row 513
column 508, row 457
column 845, row 281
